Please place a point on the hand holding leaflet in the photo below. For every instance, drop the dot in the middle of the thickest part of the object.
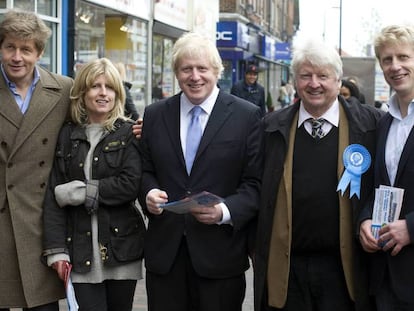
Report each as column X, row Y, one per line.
column 183, row 206
column 70, row 293
column 387, row 207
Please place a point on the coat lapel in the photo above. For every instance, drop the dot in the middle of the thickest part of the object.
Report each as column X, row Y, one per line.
column 381, row 141
column 405, row 155
column 44, row 99
column 221, row 111
column 8, row 108
column 171, row 119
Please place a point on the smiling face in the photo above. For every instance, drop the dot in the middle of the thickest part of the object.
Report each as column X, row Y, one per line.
column 397, row 64
column 251, row 77
column 99, row 100
column 19, row 58
column 318, row 88
column 196, row 78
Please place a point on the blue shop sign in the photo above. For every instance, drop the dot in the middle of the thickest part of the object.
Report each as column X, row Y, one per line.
column 232, row 34
column 268, row 47
column 283, row 51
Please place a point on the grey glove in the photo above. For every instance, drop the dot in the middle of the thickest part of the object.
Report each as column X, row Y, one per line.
column 71, row 193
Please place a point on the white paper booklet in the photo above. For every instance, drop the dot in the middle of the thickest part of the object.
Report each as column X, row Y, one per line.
column 387, row 207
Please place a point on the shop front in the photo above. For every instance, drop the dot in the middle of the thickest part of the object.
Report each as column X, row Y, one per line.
column 108, row 29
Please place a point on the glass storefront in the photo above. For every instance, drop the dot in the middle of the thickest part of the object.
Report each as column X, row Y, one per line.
column 162, row 73
column 103, row 32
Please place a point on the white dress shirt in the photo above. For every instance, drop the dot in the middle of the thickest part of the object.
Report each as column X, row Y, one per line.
column 397, row 136
column 185, row 119
column 331, row 116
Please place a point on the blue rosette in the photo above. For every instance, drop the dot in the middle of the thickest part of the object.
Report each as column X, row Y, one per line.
column 356, row 160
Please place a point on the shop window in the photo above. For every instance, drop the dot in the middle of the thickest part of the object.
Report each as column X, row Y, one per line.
column 103, row 32
column 162, row 73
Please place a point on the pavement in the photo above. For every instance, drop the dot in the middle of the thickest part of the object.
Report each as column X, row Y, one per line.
column 140, row 298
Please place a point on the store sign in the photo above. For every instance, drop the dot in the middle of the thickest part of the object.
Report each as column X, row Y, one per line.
column 172, row 12
column 139, row 8
column 269, row 47
column 232, row 34
column 283, row 51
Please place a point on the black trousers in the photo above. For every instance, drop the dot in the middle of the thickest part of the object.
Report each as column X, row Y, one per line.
column 110, row 295
column 54, row 306
column 183, row 290
column 387, row 300
column 316, row 283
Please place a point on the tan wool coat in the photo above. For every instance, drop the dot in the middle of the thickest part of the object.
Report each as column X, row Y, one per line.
column 27, row 147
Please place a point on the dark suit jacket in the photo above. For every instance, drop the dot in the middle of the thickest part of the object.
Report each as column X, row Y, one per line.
column 400, row 266
column 228, row 163
column 362, row 121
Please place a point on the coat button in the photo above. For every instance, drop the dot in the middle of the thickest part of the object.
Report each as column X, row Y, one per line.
column 41, row 163
column 3, row 144
column 116, row 230
column 9, row 165
column 87, row 263
column 88, row 233
column 44, row 141
column 10, row 187
column 69, row 239
column 95, row 159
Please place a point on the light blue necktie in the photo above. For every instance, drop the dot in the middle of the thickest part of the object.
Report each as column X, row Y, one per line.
column 194, row 133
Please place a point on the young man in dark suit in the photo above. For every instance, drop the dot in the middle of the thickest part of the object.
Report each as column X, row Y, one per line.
column 196, row 261
column 392, row 273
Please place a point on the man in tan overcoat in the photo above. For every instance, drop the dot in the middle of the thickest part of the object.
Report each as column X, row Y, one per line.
column 34, row 104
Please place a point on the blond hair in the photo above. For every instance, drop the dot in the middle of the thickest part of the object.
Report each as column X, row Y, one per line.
column 25, row 26
column 85, row 79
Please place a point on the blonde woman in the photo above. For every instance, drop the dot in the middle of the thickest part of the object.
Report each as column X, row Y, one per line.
column 90, row 220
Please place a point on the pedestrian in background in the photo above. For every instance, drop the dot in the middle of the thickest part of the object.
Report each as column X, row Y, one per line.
column 34, row 105
column 250, row 90
column 197, row 260
column 392, row 274
column 284, row 97
column 90, row 220
column 307, row 255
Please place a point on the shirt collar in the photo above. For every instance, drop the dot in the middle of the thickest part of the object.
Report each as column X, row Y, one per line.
column 394, row 108
column 12, row 84
column 331, row 115
column 206, row 105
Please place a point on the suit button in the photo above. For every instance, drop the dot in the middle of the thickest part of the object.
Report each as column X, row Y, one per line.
column 10, row 187
column 9, row 165
column 42, row 185
column 3, row 144
column 87, row 263
column 88, row 233
column 44, row 141
column 41, row 163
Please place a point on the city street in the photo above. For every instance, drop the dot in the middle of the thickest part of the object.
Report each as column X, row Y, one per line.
column 140, row 300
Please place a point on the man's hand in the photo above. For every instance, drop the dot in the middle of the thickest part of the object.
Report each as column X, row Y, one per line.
column 394, row 236
column 154, row 198
column 208, row 215
column 368, row 241
column 137, row 128
column 61, row 268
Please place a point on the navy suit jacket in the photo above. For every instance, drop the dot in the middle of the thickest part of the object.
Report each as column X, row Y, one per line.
column 228, row 163
column 400, row 266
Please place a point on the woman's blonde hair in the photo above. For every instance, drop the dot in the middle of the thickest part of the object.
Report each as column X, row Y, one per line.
column 85, row 79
